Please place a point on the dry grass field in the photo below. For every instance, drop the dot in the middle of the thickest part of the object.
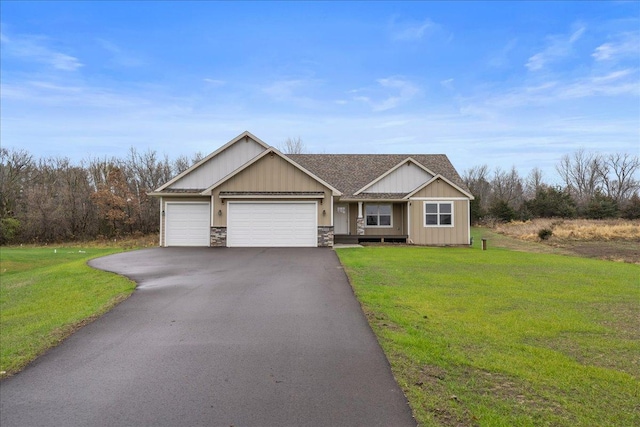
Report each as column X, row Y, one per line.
column 616, row 240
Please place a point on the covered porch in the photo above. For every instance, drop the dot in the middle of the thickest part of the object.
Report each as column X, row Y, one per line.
column 371, row 221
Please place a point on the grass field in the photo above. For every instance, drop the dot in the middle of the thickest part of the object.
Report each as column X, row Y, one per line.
column 504, row 337
column 47, row 293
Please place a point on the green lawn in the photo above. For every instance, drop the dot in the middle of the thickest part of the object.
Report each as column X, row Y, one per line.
column 46, row 295
column 505, row 338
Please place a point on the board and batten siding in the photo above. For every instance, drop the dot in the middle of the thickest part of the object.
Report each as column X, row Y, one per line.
column 440, row 191
column 272, row 174
column 404, row 179
column 398, row 221
column 220, row 165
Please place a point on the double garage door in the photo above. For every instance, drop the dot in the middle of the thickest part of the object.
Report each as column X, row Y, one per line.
column 290, row 224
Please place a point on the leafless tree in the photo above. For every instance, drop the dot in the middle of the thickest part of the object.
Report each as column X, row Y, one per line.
column 581, row 173
column 533, row 183
column 507, row 187
column 15, row 167
column 619, row 175
column 477, row 180
column 293, row 146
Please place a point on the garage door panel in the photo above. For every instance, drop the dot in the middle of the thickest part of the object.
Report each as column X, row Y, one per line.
column 272, row 224
column 187, row 224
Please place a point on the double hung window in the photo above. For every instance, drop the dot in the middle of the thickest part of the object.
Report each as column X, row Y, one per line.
column 438, row 214
column 378, row 215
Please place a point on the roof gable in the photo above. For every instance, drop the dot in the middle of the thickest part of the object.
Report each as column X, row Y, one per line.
column 402, row 178
column 350, row 173
column 434, row 181
column 272, row 151
column 218, row 164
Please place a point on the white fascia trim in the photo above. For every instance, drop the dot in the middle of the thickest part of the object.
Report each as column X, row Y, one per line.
column 402, row 163
column 212, row 155
column 270, row 150
column 435, row 199
column 161, row 220
column 435, row 178
column 198, row 194
column 270, row 196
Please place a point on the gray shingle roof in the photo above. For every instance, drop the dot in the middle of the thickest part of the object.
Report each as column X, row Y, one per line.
column 350, row 172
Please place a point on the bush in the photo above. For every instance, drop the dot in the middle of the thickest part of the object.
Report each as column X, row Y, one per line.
column 501, row 211
column 545, row 233
column 551, row 202
column 601, row 207
column 9, row 229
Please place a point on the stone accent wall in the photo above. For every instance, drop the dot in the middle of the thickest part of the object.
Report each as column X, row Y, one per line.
column 325, row 236
column 360, row 226
column 218, row 236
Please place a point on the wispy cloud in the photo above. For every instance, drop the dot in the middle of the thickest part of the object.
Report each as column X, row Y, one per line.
column 291, row 91
column 35, row 49
column 389, row 93
column 623, row 45
column 411, row 31
column 558, row 46
column 120, row 56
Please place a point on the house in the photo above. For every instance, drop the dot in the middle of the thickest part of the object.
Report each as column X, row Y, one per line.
column 248, row 193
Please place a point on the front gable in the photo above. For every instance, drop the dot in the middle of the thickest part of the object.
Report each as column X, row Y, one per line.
column 218, row 164
column 439, row 187
column 272, row 173
column 406, row 176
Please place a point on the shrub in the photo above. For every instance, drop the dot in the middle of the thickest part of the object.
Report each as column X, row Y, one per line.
column 545, row 233
column 501, row 211
column 9, row 228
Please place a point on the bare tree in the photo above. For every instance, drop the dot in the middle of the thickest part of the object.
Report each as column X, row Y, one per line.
column 477, row 180
column 582, row 174
column 507, row 187
column 15, row 167
column 618, row 173
column 293, row 146
column 533, row 183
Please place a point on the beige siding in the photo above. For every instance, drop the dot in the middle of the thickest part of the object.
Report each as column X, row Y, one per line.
column 175, row 199
column 396, row 222
column 272, row 173
column 456, row 235
column 399, row 221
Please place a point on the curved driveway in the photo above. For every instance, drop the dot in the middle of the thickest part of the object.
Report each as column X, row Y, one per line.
column 216, row 337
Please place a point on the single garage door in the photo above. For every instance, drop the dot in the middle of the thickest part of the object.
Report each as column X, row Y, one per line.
column 187, row 224
column 290, row 224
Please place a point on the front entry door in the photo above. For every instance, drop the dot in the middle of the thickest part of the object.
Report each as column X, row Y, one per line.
column 341, row 218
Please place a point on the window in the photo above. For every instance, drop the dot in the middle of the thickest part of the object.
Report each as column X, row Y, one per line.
column 378, row 215
column 438, row 214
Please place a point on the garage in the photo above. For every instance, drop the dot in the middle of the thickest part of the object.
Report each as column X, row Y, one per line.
column 187, row 224
column 272, row 224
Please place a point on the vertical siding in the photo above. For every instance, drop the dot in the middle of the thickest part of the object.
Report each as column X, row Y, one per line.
column 396, row 222
column 220, row 165
column 402, row 180
column 456, row 235
column 272, row 173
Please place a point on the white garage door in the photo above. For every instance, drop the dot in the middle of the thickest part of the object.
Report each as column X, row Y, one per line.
column 187, row 224
column 272, row 224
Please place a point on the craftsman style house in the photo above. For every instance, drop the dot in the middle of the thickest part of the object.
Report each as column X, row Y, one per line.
column 247, row 193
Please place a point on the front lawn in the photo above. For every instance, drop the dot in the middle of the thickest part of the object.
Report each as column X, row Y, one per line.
column 505, row 338
column 45, row 294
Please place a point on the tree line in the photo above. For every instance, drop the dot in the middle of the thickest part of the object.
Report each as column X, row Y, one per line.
column 593, row 185
column 52, row 199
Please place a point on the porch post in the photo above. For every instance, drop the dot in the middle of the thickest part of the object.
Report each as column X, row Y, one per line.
column 360, row 221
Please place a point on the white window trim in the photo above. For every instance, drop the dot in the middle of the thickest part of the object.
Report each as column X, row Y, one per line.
column 437, row 202
column 377, row 226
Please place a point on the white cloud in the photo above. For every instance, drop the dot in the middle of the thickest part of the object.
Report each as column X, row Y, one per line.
column 390, row 92
column 120, row 56
column 34, row 49
column 448, row 83
column 214, row 82
column 624, row 45
column 558, row 46
column 411, row 31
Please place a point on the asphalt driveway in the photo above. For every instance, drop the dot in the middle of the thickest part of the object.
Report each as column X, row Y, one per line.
column 216, row 337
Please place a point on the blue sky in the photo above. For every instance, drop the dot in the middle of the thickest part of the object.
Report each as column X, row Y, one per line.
column 513, row 83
